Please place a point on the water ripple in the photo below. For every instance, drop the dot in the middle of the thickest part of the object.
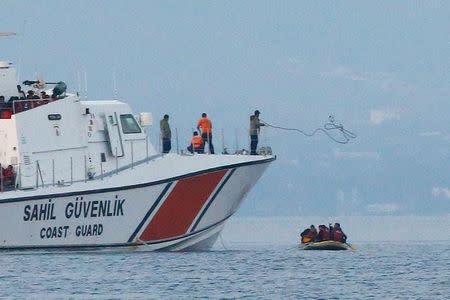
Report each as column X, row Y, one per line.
column 375, row 271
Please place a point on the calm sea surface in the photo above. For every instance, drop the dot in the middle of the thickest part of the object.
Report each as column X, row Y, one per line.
column 406, row 270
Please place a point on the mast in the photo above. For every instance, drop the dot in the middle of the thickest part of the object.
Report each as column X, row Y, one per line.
column 8, row 83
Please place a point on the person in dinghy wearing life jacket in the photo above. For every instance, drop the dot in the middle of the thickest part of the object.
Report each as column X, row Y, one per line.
column 324, row 234
column 309, row 235
column 338, row 234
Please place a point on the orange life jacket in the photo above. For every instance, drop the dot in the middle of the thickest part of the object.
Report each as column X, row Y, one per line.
column 307, row 239
column 205, row 124
column 196, row 141
column 308, row 236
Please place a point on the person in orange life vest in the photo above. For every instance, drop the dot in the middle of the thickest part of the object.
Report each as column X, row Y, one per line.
column 309, row 234
column 324, row 234
column 196, row 144
column 338, row 234
column 205, row 126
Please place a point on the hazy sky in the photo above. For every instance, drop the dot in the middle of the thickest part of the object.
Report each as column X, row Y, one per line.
column 381, row 68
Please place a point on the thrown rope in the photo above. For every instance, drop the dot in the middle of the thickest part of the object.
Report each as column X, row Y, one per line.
column 327, row 128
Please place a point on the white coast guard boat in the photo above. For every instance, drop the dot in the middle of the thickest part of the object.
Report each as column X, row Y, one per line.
column 83, row 174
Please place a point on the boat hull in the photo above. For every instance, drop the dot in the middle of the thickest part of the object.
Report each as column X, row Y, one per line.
column 326, row 245
column 183, row 213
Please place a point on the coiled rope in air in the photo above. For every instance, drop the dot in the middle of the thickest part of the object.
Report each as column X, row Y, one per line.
column 328, row 127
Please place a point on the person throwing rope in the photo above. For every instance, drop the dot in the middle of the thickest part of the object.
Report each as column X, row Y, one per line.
column 255, row 125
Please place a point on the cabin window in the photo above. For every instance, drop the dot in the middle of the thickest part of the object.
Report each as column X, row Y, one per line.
column 54, row 117
column 129, row 124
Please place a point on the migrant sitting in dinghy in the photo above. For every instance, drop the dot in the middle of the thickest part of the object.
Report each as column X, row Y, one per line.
column 308, row 235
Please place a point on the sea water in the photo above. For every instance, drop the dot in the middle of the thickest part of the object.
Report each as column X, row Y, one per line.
column 233, row 269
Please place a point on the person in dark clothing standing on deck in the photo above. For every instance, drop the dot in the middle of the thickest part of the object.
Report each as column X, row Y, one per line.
column 255, row 125
column 166, row 134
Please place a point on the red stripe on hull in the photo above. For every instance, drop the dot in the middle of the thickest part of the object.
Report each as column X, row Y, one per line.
column 181, row 207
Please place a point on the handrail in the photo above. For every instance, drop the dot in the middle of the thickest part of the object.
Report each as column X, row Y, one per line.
column 17, row 105
column 58, row 172
column 1, row 178
column 37, row 174
column 129, row 166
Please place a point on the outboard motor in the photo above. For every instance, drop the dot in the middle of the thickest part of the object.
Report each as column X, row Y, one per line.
column 59, row 89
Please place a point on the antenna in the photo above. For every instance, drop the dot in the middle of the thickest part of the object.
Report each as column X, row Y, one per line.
column 78, row 80
column 114, row 83
column 22, row 47
column 5, row 34
column 85, row 84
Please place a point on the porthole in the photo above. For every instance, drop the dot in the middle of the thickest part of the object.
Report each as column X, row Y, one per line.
column 54, row 117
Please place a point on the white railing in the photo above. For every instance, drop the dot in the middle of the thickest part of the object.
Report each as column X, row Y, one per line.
column 236, row 143
column 68, row 170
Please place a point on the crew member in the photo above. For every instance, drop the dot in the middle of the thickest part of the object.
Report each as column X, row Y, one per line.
column 309, row 235
column 324, row 234
column 338, row 234
column 204, row 125
column 30, row 94
column 166, row 134
column 21, row 93
column 8, row 175
column 44, row 95
column 255, row 125
column 196, row 144
column 8, row 172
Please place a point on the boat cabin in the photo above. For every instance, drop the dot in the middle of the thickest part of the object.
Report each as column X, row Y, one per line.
column 58, row 140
